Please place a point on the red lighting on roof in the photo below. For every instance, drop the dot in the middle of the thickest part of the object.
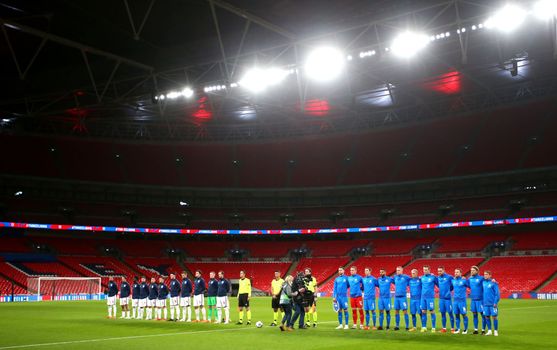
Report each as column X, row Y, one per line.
column 317, row 107
column 449, row 83
column 203, row 110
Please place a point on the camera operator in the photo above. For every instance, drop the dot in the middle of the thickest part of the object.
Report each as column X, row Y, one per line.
column 300, row 301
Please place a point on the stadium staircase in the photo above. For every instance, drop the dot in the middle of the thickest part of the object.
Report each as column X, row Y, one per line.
column 292, row 268
column 548, row 281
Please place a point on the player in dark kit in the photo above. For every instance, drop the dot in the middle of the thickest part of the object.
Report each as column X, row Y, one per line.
column 152, row 298
column 185, row 296
column 125, row 292
column 135, row 296
column 111, row 297
column 161, row 300
column 143, row 295
column 212, row 288
column 174, row 298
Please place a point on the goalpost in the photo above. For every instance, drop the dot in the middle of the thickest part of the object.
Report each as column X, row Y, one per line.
column 56, row 287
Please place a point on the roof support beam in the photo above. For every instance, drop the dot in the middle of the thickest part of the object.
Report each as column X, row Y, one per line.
column 255, row 19
column 73, row 44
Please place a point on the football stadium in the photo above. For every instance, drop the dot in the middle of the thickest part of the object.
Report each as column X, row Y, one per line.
column 278, row 174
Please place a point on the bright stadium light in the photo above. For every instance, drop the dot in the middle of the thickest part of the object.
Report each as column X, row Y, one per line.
column 187, row 92
column 408, row 44
column 173, row 94
column 258, row 79
column 508, row 19
column 545, row 9
column 324, row 64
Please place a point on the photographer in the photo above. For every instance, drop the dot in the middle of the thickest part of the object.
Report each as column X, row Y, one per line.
column 300, row 300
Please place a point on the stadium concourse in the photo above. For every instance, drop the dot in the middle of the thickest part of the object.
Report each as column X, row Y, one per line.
column 308, row 150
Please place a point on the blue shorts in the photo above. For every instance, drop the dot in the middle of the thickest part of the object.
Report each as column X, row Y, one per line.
column 414, row 306
column 491, row 311
column 401, row 303
column 384, row 304
column 342, row 303
column 427, row 304
column 459, row 307
column 369, row 304
column 476, row 306
column 445, row 305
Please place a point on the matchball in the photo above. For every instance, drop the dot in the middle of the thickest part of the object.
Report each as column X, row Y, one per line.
column 259, row 324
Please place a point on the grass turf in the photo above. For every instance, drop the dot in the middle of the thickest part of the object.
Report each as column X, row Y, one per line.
column 524, row 324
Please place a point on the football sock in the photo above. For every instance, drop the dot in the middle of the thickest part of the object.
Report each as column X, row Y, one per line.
column 204, row 314
column 414, row 321
column 496, row 324
column 248, row 315
column 340, row 318
column 406, row 321
column 433, row 320
column 388, row 319
column 367, row 317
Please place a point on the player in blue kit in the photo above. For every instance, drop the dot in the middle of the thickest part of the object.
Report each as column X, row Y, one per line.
column 476, row 295
column 370, row 283
column 125, row 292
column 185, row 298
column 356, row 286
column 460, row 286
column 415, row 285
column 152, row 298
column 143, row 295
column 384, row 283
column 175, row 289
column 161, row 300
column 427, row 302
column 340, row 289
column 111, row 297
column 401, row 303
column 491, row 298
column 135, row 297
column 444, row 282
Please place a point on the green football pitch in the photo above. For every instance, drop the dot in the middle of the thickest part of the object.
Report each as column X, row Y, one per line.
column 524, row 324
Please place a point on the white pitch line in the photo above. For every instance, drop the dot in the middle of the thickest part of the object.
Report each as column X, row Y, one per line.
column 124, row 338
column 119, row 338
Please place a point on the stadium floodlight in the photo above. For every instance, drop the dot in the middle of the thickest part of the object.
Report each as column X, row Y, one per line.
column 408, row 44
column 259, row 79
column 507, row 19
column 173, row 94
column 545, row 9
column 324, row 64
column 187, row 92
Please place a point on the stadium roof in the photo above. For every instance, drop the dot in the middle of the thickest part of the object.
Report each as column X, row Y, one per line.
column 94, row 68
